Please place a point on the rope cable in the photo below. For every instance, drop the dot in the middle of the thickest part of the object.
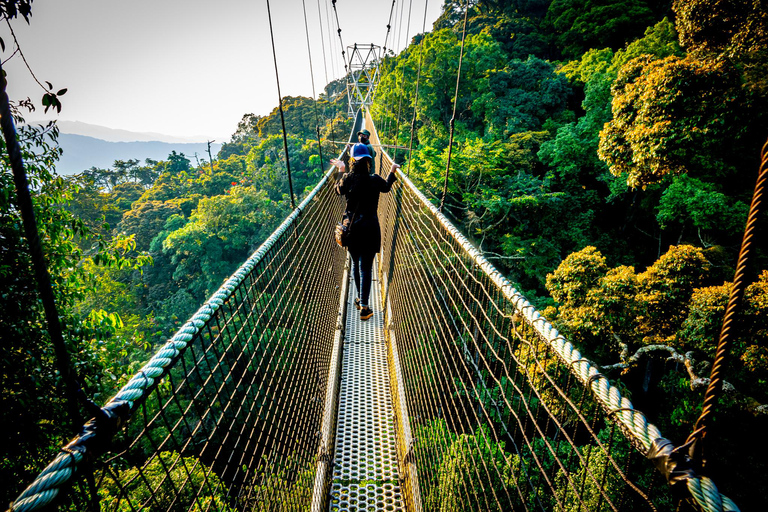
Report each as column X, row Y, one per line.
column 314, row 96
column 408, row 25
column 402, row 85
column 715, row 387
column 280, row 105
column 455, row 101
column 399, row 32
column 389, row 26
column 416, row 98
column 341, row 41
column 330, row 41
column 322, row 41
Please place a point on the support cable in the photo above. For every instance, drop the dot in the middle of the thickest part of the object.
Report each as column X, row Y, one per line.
column 43, row 278
column 715, row 388
column 389, row 26
column 453, row 117
column 416, row 98
column 314, row 97
column 330, row 40
column 402, row 92
column 399, row 31
column 280, row 104
column 341, row 41
column 385, row 128
column 408, row 24
column 322, row 40
column 333, row 65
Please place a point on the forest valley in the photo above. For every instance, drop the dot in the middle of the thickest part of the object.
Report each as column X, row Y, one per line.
column 605, row 155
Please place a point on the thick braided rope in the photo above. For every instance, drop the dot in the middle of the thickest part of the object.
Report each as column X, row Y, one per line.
column 702, row 489
column 49, row 482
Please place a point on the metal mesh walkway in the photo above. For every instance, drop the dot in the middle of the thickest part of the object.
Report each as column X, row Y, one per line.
column 365, row 474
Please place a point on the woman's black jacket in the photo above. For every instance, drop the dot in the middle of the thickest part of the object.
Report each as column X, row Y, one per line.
column 362, row 193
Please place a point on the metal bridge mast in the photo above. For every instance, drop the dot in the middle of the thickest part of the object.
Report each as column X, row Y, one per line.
column 363, row 75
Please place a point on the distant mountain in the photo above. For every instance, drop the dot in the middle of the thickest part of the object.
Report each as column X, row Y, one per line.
column 82, row 152
column 116, row 135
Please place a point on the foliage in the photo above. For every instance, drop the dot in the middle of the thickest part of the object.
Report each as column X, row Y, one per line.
column 671, row 116
column 731, row 27
column 688, row 199
column 168, row 482
column 466, row 471
column 286, row 485
column 219, row 235
column 32, row 403
column 598, row 304
column 579, row 25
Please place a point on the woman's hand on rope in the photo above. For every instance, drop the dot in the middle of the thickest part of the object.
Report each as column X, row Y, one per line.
column 394, row 167
column 338, row 163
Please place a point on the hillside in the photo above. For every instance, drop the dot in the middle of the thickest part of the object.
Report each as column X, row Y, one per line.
column 80, row 152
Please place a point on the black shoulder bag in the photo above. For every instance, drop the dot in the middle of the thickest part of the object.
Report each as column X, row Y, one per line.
column 344, row 228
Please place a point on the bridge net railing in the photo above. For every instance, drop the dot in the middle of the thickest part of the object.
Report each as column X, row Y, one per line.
column 500, row 412
column 228, row 414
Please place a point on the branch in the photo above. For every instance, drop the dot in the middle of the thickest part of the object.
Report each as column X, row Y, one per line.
column 496, row 256
column 687, row 360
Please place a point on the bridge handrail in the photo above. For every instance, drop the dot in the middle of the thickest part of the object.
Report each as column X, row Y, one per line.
column 644, row 435
column 96, row 433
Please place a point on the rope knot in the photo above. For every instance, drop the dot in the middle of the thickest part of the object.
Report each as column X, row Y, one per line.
column 676, row 466
column 96, row 435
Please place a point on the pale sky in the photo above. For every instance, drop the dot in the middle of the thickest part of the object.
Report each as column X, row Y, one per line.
column 190, row 67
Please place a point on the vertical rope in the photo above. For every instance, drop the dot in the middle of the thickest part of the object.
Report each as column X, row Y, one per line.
column 330, row 41
column 322, row 40
column 402, row 92
column 314, row 97
column 38, row 258
column 408, row 24
column 453, row 117
column 399, row 32
column 389, row 26
column 416, row 98
column 714, row 390
column 280, row 104
column 341, row 41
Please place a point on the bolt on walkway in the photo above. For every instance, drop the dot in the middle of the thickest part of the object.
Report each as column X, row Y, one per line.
column 365, row 474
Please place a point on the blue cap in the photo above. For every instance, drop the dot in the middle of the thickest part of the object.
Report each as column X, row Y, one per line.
column 360, row 151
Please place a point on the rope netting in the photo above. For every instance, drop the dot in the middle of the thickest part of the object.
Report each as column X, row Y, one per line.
column 498, row 410
column 230, row 414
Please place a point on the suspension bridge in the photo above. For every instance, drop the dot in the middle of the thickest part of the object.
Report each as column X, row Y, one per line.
column 458, row 395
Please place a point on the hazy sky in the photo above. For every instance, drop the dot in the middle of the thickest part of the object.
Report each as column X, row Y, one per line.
column 190, row 67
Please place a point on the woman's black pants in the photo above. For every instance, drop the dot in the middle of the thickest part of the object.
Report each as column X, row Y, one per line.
column 362, row 269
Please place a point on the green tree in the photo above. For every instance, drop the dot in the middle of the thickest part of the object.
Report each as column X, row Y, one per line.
column 169, row 482
column 146, row 219
column 579, row 25
column 672, row 116
column 32, row 406
column 219, row 236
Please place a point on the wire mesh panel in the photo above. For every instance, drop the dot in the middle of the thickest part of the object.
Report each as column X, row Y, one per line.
column 502, row 416
column 228, row 414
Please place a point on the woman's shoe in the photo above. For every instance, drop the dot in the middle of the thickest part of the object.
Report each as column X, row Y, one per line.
column 365, row 313
column 357, row 303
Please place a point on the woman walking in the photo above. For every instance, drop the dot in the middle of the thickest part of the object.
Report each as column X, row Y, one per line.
column 362, row 192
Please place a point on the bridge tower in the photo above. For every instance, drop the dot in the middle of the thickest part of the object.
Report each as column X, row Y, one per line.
column 363, row 75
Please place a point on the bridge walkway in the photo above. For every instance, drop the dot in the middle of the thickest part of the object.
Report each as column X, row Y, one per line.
column 365, row 471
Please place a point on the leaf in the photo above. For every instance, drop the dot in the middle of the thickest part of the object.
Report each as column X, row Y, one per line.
column 61, row 92
column 50, row 85
column 46, row 100
column 2, row 44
